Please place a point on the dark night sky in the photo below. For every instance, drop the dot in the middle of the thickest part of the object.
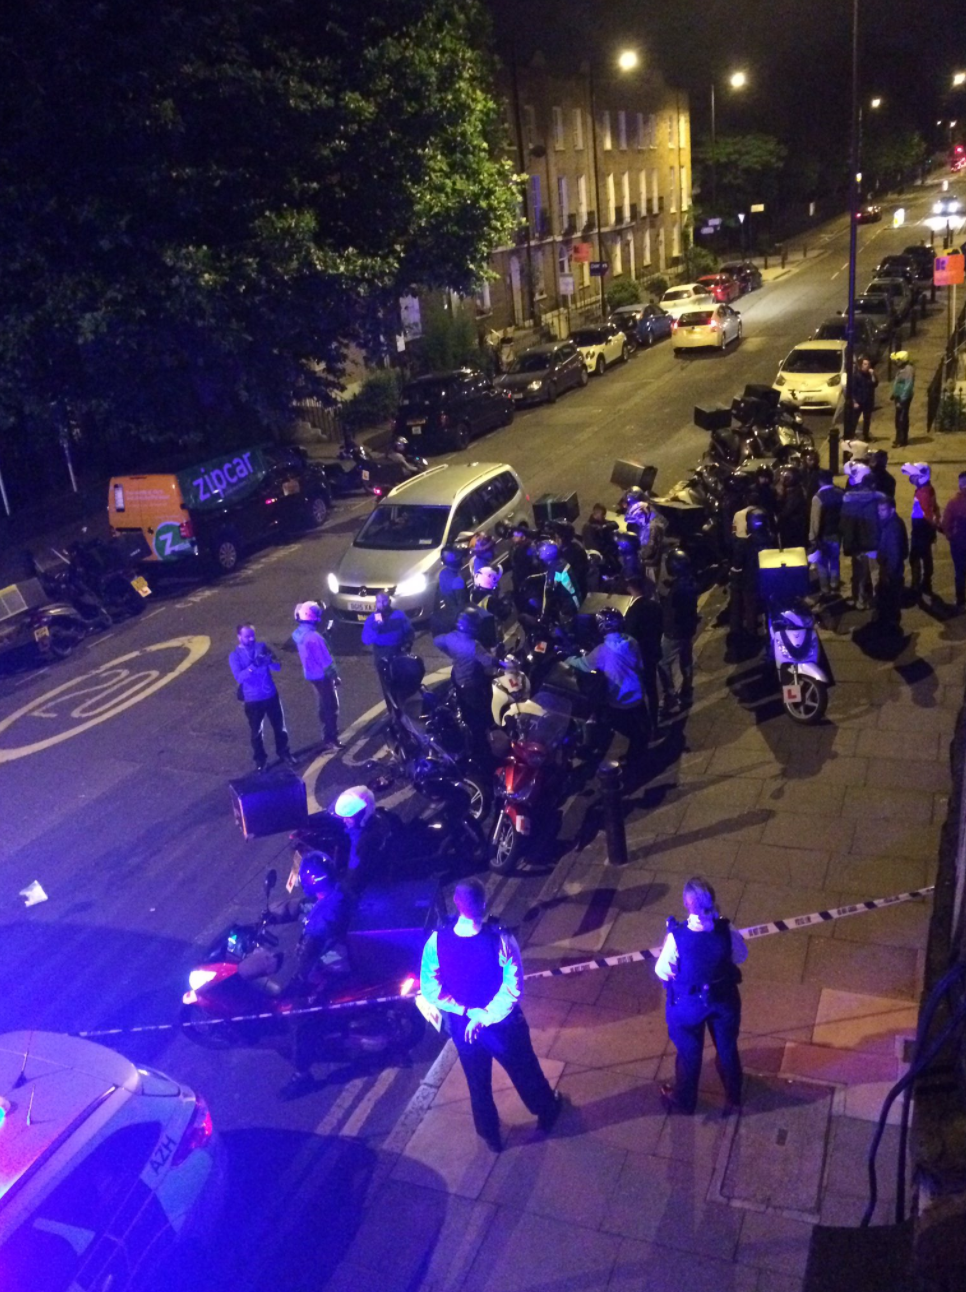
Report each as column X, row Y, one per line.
column 797, row 53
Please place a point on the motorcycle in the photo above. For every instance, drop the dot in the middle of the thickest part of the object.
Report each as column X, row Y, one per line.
column 421, row 726
column 381, row 475
column 365, row 1002
column 98, row 579
column 348, row 474
column 35, row 627
column 803, row 669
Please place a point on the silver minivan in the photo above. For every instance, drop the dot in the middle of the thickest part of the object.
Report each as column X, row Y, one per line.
column 398, row 548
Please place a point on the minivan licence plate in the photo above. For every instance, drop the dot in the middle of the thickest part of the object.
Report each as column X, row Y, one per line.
column 358, row 605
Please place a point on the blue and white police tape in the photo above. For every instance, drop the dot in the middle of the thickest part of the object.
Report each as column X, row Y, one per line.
column 789, row 925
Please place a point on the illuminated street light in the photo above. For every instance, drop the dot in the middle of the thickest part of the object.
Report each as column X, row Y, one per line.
column 875, row 103
column 959, row 78
column 737, row 81
column 627, row 60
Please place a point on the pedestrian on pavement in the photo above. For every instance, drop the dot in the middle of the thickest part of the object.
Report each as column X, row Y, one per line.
column 618, row 658
column 319, row 668
column 859, row 528
column 864, row 383
column 823, row 532
column 473, row 973
column 679, row 623
column 882, row 477
column 954, row 527
column 699, row 966
column 892, row 554
column 644, row 620
column 252, row 664
column 793, row 509
column 903, row 389
column 387, row 631
column 810, row 474
column 925, row 526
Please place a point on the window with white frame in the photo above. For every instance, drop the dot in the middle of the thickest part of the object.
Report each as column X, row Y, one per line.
column 611, row 199
column 626, row 194
column 562, row 204
column 585, row 273
column 622, row 129
column 640, row 131
column 670, row 130
column 682, row 131
column 606, row 138
column 675, row 239
column 563, row 258
column 536, row 202
column 673, row 189
column 642, row 192
column 581, row 201
column 652, row 131
column 558, row 128
column 616, row 258
column 578, row 128
column 529, row 125
column 647, row 244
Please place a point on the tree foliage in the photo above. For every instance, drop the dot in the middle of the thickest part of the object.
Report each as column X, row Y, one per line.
column 890, row 157
column 622, row 291
column 203, row 203
column 748, row 168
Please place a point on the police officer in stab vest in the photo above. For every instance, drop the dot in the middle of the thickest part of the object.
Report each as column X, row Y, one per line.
column 471, row 970
column 698, row 965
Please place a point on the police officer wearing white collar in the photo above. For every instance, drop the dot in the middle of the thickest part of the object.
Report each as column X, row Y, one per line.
column 472, row 971
column 699, row 967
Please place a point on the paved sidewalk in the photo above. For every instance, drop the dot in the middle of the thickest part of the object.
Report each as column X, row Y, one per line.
column 785, row 821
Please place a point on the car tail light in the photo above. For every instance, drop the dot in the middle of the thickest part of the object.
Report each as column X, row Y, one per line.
column 197, row 1134
column 674, row 324
column 377, row 491
column 713, row 326
column 187, row 529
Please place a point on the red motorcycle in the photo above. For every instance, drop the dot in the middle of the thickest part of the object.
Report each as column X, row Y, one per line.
column 534, row 749
column 365, row 1001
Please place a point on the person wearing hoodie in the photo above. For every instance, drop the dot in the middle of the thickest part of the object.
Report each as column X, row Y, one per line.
column 387, row 631
column 903, row 388
column 893, row 551
column 319, row 668
column 954, row 527
column 679, row 606
column 618, row 657
column 859, row 528
column 926, row 521
column 823, row 532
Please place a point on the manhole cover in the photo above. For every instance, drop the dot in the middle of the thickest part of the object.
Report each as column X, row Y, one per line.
column 775, row 1158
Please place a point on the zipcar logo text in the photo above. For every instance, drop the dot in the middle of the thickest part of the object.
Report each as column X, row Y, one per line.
column 220, row 478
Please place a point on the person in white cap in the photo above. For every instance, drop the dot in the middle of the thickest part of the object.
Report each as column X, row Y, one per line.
column 319, row 668
column 859, row 528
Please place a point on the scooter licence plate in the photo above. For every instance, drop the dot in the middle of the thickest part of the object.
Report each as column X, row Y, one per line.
column 792, row 694
column 365, row 475
column 140, row 584
column 522, row 825
column 42, row 635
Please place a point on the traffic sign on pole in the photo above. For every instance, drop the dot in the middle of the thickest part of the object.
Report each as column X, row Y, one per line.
column 947, row 270
column 741, row 217
column 598, row 268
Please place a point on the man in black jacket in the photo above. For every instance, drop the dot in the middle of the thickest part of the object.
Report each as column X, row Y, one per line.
column 893, row 552
column 644, row 621
column 679, row 623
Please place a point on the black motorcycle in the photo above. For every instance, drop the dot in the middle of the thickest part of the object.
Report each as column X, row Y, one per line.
column 34, row 628
column 98, row 578
column 345, row 475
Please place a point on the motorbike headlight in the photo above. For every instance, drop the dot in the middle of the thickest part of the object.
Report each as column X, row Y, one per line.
column 534, row 385
column 199, row 978
column 413, row 586
column 333, row 584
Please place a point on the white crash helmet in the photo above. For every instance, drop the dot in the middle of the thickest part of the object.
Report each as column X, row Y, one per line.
column 309, row 612
column 917, row 473
column 857, row 471
column 487, row 578
column 356, row 805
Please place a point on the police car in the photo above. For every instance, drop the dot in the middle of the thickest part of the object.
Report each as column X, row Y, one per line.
column 102, row 1165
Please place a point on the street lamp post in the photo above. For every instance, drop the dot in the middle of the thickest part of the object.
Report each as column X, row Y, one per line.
column 627, row 61
column 853, row 218
column 737, row 81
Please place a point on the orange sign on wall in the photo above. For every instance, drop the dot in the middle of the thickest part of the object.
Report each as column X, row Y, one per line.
column 947, row 271
column 581, row 252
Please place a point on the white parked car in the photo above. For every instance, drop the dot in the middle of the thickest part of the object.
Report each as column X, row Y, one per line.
column 686, row 296
column 102, row 1165
column 600, row 346
column 705, row 325
column 812, row 376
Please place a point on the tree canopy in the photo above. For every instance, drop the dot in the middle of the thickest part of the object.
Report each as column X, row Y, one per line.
column 203, row 203
column 748, row 168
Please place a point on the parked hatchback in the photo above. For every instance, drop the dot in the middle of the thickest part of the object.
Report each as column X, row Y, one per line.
column 723, row 287
column 867, row 340
column 543, row 372
column 746, row 272
column 102, row 1165
column 715, row 325
column 898, row 291
column 812, row 376
column 398, row 549
column 686, row 297
column 647, row 323
column 600, row 346
column 448, row 409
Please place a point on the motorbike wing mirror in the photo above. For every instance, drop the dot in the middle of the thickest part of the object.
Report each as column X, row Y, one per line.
column 271, row 879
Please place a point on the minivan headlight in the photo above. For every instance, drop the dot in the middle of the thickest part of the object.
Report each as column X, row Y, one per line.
column 413, row 586
column 333, row 584
column 534, row 385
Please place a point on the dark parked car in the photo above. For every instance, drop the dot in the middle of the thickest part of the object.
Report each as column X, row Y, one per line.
column 868, row 214
column 898, row 291
column 448, row 409
column 647, row 322
column 543, row 372
column 746, row 274
column 879, row 311
column 868, row 343
column 898, row 266
column 924, row 258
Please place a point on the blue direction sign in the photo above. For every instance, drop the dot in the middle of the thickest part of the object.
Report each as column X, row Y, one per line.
column 598, row 268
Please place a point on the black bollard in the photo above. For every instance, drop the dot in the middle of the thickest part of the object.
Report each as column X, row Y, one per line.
column 912, row 322
column 609, row 779
column 833, row 450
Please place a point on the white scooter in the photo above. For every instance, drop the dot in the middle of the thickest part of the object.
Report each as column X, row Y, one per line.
column 796, row 648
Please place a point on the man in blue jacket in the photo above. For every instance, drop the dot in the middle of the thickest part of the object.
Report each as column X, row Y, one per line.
column 319, row 669
column 252, row 664
column 618, row 657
